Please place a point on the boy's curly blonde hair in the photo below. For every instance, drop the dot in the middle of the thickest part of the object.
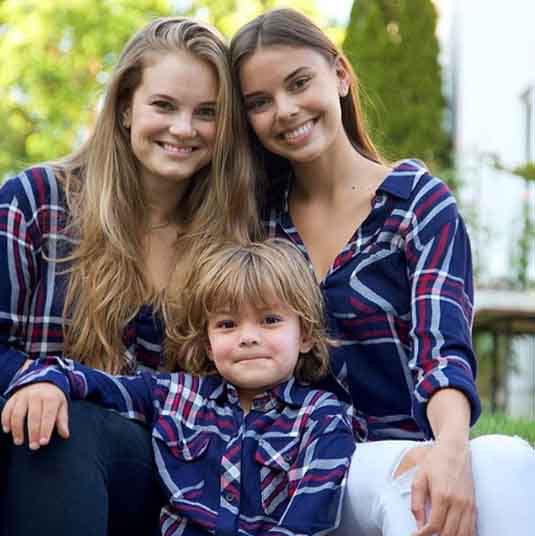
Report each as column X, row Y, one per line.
column 258, row 273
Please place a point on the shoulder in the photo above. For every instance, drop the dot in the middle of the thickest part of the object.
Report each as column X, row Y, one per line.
column 323, row 409
column 169, row 387
column 33, row 189
column 424, row 201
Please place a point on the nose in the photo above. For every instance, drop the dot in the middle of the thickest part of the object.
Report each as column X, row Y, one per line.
column 248, row 336
column 287, row 106
column 182, row 126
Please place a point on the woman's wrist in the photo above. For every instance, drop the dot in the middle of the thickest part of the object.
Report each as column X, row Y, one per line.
column 448, row 412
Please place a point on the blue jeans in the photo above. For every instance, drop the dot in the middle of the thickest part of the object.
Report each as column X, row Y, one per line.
column 100, row 481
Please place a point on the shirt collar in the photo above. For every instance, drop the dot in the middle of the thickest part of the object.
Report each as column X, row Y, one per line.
column 288, row 393
column 401, row 180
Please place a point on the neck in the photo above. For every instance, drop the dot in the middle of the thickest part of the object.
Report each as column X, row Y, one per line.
column 162, row 201
column 337, row 170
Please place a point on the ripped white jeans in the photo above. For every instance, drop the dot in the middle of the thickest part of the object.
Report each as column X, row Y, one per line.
column 378, row 504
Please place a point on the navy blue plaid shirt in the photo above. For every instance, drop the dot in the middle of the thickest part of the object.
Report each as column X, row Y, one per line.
column 33, row 216
column 399, row 297
column 278, row 470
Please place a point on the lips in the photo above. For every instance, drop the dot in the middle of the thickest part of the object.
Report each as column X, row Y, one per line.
column 251, row 358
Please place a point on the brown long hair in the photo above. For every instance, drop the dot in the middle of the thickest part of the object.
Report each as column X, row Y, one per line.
column 229, row 275
column 291, row 28
column 107, row 204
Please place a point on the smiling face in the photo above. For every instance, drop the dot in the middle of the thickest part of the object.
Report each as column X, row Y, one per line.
column 172, row 117
column 256, row 349
column 292, row 95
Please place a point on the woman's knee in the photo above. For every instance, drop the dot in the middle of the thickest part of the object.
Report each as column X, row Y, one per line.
column 497, row 454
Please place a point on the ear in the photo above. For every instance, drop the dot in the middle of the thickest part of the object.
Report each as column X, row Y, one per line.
column 305, row 344
column 126, row 118
column 342, row 74
column 208, row 349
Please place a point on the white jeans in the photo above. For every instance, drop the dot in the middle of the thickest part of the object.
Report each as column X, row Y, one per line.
column 377, row 504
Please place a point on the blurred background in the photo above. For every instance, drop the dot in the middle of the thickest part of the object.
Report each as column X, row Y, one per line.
column 450, row 82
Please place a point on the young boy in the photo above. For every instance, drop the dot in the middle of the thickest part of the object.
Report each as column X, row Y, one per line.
column 241, row 443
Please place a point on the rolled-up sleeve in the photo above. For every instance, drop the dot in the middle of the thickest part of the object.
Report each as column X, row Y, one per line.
column 440, row 273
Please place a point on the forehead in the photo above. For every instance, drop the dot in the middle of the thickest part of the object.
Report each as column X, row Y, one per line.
column 272, row 64
column 251, row 307
column 179, row 74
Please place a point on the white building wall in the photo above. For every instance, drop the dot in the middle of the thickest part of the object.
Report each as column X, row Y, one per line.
column 491, row 61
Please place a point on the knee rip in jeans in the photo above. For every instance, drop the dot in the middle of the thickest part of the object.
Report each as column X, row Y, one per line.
column 410, row 459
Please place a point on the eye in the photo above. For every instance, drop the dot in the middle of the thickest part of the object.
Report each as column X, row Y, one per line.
column 300, row 83
column 226, row 323
column 207, row 113
column 257, row 104
column 271, row 319
column 163, row 105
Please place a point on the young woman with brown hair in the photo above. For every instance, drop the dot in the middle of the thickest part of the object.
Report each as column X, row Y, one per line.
column 392, row 257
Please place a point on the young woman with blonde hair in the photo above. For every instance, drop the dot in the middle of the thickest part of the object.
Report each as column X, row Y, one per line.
column 93, row 247
column 392, row 258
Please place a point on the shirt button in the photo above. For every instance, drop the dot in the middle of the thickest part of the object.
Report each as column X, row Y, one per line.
column 287, row 458
column 229, row 498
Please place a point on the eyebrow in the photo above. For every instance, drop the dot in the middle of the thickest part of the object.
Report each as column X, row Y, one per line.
column 286, row 79
column 168, row 97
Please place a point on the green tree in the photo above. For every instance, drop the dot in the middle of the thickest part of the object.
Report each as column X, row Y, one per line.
column 229, row 15
column 394, row 51
column 56, row 56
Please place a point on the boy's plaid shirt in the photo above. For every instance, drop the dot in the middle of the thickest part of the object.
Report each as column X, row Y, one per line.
column 279, row 470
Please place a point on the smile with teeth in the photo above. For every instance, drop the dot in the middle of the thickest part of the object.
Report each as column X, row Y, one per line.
column 177, row 149
column 299, row 133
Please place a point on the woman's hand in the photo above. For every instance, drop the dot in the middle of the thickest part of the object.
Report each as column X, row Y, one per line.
column 444, row 483
column 443, row 487
column 43, row 406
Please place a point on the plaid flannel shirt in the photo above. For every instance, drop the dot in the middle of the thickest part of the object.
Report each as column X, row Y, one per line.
column 33, row 216
column 399, row 298
column 279, row 470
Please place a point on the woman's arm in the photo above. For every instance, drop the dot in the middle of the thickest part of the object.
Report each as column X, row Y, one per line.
column 444, row 480
column 30, row 212
column 443, row 363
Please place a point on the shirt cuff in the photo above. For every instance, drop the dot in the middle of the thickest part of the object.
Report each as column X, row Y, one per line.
column 10, row 363
column 49, row 370
column 453, row 377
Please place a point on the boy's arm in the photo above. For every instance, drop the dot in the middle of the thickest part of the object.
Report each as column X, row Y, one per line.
column 132, row 396
column 318, row 476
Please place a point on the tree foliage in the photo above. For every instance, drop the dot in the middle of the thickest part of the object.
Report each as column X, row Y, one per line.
column 394, row 51
column 55, row 56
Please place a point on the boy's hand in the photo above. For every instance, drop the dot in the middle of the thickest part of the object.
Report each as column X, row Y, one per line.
column 43, row 406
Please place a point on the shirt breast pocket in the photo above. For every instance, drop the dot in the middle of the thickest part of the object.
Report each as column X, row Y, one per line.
column 277, row 458
column 184, row 452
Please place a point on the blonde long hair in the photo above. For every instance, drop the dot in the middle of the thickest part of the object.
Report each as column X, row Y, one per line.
column 288, row 27
column 225, row 277
column 107, row 204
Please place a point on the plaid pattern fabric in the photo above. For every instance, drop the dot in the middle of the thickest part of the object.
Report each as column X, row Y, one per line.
column 33, row 216
column 278, row 470
column 399, row 298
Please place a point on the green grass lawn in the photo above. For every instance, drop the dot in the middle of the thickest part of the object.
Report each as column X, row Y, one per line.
column 496, row 423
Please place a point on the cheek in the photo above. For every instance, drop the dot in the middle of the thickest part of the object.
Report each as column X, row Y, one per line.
column 208, row 132
column 259, row 123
